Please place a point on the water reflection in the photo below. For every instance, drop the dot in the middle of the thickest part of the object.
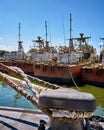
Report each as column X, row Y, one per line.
column 2, row 82
column 9, row 97
column 16, row 98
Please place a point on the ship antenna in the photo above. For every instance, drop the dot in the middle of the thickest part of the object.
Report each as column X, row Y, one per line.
column 70, row 27
column 19, row 31
column 46, row 30
column 47, row 42
column 20, row 48
column 70, row 40
column 63, row 30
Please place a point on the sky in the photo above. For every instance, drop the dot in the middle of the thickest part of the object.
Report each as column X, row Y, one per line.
column 87, row 18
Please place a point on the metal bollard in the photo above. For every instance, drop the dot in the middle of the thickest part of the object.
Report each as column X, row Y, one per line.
column 42, row 125
column 68, row 108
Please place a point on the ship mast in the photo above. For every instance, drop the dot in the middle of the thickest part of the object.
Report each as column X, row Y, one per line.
column 102, row 50
column 39, row 43
column 81, row 40
column 103, row 42
column 70, row 26
column 19, row 32
column 20, row 47
column 46, row 30
column 47, row 42
column 20, row 53
column 71, row 48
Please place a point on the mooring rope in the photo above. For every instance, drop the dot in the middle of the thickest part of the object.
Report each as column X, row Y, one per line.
column 18, row 71
column 23, row 84
column 11, row 69
column 72, row 78
column 24, row 76
column 55, row 113
column 29, row 97
column 18, row 88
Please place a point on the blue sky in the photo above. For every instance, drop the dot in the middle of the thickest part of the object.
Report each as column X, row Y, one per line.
column 87, row 18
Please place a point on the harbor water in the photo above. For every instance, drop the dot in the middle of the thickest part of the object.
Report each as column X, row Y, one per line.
column 10, row 98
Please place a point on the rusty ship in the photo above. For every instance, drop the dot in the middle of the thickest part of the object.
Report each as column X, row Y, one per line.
column 61, row 64
column 94, row 72
column 93, row 75
column 18, row 58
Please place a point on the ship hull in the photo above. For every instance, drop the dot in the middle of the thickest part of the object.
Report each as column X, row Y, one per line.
column 93, row 76
column 61, row 74
column 26, row 67
column 56, row 80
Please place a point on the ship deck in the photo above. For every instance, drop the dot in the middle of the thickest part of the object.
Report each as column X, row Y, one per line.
column 20, row 119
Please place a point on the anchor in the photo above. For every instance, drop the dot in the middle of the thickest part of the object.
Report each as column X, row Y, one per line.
column 67, row 109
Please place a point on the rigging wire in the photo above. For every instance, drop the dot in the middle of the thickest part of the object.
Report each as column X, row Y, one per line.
column 63, row 30
column 72, row 77
column 76, row 83
column 49, row 30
